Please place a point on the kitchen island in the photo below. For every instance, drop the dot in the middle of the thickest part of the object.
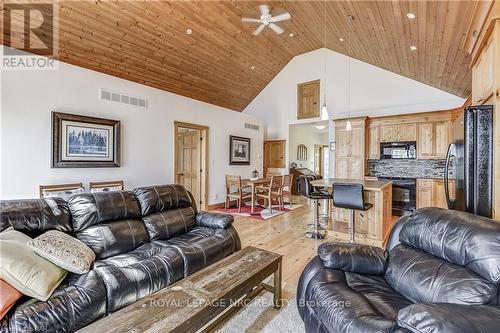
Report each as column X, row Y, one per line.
column 372, row 226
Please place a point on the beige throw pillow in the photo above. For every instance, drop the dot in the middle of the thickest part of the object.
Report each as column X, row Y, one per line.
column 63, row 250
column 24, row 270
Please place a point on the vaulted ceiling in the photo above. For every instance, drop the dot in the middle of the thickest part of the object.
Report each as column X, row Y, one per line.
column 222, row 63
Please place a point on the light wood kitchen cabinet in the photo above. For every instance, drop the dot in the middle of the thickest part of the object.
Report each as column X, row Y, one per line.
column 483, row 74
column 389, row 133
column 308, row 100
column 433, row 140
column 431, row 193
column 373, row 142
column 350, row 149
column 407, row 132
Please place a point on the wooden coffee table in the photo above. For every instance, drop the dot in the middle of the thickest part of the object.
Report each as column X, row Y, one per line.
column 203, row 300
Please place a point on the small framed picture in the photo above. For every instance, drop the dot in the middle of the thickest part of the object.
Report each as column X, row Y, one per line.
column 239, row 150
column 84, row 142
column 332, row 146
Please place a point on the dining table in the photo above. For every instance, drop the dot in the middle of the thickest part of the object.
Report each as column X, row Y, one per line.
column 253, row 183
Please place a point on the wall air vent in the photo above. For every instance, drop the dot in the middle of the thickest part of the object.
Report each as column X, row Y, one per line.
column 112, row 96
column 252, row 126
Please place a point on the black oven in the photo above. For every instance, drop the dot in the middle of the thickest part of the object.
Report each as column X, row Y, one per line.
column 404, row 195
column 398, row 150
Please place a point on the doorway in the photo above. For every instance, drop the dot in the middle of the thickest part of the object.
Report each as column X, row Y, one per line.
column 321, row 160
column 191, row 161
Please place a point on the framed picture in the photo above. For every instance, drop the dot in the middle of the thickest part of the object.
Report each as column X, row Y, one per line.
column 84, row 142
column 239, row 150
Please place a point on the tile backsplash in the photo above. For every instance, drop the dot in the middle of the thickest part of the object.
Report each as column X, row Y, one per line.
column 406, row 168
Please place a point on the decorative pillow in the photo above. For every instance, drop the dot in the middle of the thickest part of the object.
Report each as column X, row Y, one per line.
column 105, row 189
column 63, row 194
column 24, row 270
column 8, row 297
column 63, row 250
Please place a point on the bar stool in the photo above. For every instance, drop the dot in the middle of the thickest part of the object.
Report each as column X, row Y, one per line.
column 350, row 196
column 319, row 220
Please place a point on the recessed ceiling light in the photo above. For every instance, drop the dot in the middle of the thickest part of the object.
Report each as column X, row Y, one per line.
column 252, row 67
column 411, row 16
column 189, row 31
column 291, row 35
column 341, row 39
column 413, row 47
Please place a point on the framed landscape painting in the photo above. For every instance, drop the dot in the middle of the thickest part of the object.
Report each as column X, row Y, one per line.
column 84, row 142
column 239, row 150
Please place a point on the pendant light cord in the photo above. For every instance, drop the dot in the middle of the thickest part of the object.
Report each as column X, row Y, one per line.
column 324, row 69
column 349, row 20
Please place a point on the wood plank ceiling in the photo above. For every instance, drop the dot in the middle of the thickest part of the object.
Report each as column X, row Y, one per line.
column 146, row 42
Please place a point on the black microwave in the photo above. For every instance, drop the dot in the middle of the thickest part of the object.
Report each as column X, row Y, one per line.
column 398, row 150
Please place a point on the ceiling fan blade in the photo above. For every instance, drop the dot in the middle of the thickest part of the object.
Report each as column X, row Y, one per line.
column 264, row 9
column 276, row 28
column 250, row 19
column 280, row 17
column 259, row 29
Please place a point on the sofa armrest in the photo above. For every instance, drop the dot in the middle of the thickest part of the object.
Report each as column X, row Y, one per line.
column 356, row 258
column 214, row 220
column 449, row 318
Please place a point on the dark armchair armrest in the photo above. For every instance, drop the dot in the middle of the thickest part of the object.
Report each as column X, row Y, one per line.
column 356, row 258
column 450, row 318
column 214, row 220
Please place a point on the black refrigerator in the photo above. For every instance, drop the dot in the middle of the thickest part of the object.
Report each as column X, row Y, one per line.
column 468, row 176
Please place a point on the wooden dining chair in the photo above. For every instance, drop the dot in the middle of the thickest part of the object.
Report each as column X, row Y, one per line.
column 270, row 192
column 270, row 174
column 286, row 189
column 64, row 191
column 234, row 190
column 108, row 186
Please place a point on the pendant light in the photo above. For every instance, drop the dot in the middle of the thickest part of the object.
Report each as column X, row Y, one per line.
column 348, row 125
column 324, row 109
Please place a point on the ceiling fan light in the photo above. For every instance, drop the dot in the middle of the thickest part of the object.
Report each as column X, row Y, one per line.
column 348, row 125
column 324, row 112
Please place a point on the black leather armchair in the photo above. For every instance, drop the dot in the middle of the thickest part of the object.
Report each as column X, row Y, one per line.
column 440, row 273
column 144, row 241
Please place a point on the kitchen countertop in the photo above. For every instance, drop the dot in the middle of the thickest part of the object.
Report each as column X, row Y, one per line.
column 368, row 185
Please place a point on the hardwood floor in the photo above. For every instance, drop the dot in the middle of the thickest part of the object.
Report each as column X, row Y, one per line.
column 283, row 234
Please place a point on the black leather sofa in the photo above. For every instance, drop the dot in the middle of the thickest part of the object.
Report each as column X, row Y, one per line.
column 440, row 273
column 144, row 241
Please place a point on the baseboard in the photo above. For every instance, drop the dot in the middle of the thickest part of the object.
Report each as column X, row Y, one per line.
column 215, row 206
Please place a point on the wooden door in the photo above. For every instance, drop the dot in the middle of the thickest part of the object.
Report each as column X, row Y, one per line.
column 389, row 133
column 308, row 100
column 425, row 140
column 189, row 161
column 442, row 139
column 356, row 168
column 357, row 142
column 342, row 138
column 342, row 167
column 424, row 193
column 407, row 132
column 373, row 143
column 274, row 154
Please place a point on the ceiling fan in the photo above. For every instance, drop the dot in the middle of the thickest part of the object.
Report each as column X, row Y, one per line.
column 267, row 20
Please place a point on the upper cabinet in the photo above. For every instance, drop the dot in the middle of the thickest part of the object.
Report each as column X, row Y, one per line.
column 398, row 133
column 373, row 142
column 483, row 75
column 308, row 100
column 433, row 140
column 350, row 149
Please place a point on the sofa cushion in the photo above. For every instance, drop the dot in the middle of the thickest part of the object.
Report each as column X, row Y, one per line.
column 204, row 246
column 423, row 278
column 151, row 268
column 35, row 216
column 341, row 308
column 357, row 258
column 112, row 238
column 169, row 223
column 154, row 199
column 89, row 209
column 460, row 238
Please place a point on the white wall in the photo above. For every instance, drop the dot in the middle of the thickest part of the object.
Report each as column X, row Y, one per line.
column 308, row 136
column 374, row 92
column 28, row 97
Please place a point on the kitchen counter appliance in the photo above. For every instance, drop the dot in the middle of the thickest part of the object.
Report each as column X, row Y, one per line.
column 404, row 195
column 398, row 150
